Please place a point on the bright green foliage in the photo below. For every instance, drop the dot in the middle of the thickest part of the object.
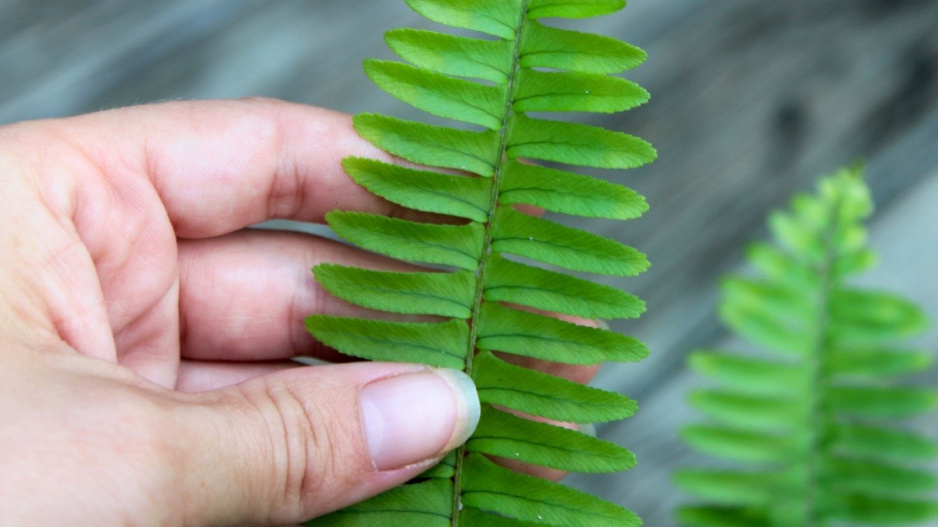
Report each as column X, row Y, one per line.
column 807, row 428
column 497, row 270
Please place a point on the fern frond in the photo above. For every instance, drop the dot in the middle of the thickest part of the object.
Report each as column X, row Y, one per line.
column 809, row 426
column 494, row 284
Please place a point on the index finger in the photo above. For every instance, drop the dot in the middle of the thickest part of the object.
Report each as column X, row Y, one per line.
column 219, row 166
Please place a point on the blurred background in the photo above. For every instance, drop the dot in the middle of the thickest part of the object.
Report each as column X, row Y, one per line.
column 751, row 101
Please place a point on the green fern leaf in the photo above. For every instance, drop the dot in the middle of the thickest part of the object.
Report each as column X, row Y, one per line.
column 453, row 245
column 752, row 412
column 504, row 435
column 442, row 294
column 549, row 47
column 490, row 487
column 445, row 469
column 489, row 60
column 439, row 344
column 873, row 363
column 494, row 280
column 749, row 374
column 575, row 144
column 440, row 94
column 530, row 335
column 513, row 282
column 866, row 510
column 573, row 8
column 425, row 503
column 475, row 152
column 723, row 517
column 809, row 429
column 422, row 190
column 503, row 384
column 569, row 193
column 540, row 91
column 879, row 401
column 744, row 489
column 741, row 445
column 861, row 440
column 498, row 18
column 545, row 241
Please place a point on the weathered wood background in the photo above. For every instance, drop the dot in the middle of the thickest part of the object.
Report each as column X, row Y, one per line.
column 750, row 102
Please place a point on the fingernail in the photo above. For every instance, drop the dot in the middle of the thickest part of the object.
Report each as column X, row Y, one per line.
column 417, row 416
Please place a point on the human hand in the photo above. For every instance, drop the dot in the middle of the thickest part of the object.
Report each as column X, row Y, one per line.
column 143, row 359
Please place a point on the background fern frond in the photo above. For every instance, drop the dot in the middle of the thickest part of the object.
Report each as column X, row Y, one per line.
column 497, row 279
column 810, row 424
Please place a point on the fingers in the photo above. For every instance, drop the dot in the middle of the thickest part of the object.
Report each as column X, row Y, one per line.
column 299, row 443
column 244, row 296
column 219, row 166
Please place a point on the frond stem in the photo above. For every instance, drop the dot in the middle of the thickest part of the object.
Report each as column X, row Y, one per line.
column 487, row 241
column 819, row 377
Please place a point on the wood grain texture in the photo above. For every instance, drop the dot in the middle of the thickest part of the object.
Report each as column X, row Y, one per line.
column 750, row 102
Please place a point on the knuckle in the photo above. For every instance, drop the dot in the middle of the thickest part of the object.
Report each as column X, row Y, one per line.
column 299, row 448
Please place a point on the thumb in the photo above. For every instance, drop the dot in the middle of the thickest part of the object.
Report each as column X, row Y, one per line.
column 293, row 445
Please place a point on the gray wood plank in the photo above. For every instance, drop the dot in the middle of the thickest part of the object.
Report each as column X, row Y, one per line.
column 750, row 102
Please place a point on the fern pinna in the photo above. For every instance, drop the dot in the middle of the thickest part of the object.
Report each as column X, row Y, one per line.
column 497, row 264
column 809, row 425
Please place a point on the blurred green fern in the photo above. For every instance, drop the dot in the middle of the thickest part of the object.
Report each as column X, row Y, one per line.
column 495, row 258
column 810, row 427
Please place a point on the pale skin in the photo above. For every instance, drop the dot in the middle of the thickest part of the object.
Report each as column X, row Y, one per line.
column 146, row 335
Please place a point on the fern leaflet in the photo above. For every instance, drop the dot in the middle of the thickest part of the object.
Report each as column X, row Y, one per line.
column 808, row 425
column 497, row 275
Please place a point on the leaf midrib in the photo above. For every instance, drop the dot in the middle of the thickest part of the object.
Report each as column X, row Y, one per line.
column 817, row 358
column 488, row 240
